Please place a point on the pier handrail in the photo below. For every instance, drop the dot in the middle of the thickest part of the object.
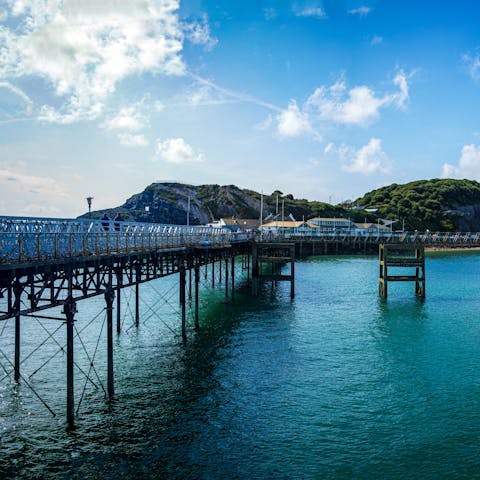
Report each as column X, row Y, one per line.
column 28, row 239
column 33, row 239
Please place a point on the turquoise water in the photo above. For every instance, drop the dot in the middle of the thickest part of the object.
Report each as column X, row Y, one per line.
column 337, row 384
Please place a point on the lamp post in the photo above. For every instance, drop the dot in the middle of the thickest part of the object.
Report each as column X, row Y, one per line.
column 89, row 203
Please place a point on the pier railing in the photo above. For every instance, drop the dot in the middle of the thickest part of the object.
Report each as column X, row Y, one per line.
column 37, row 239
column 427, row 238
column 25, row 239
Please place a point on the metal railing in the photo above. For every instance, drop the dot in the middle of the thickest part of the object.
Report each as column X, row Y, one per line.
column 39, row 239
column 427, row 238
column 24, row 239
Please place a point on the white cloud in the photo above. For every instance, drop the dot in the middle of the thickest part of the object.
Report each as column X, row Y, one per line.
column 367, row 160
column 357, row 106
column 361, row 11
column 468, row 165
column 23, row 182
column 131, row 140
column 199, row 33
column 376, row 40
column 471, row 63
column 110, row 41
column 292, row 122
column 309, row 10
column 127, row 118
column 176, row 150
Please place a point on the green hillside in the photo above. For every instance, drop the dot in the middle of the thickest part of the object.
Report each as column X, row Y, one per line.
column 437, row 204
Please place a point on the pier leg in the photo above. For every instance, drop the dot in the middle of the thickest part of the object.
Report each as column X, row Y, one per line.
column 119, row 301
column 17, row 290
column 17, row 349
column 220, row 270
column 190, row 284
column 292, row 273
column 233, row 278
column 213, row 274
column 197, row 280
column 248, row 268
column 255, row 271
column 109, row 297
column 226, row 279
column 69, row 309
column 182, row 303
column 137, row 304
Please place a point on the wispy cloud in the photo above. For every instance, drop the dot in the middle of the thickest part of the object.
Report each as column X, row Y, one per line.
column 361, row 11
column 131, row 140
column 24, row 182
column 376, row 40
column 233, row 95
column 471, row 63
column 198, row 32
column 270, row 13
column 309, row 10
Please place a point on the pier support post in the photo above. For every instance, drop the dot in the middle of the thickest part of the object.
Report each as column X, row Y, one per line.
column 226, row 279
column 220, row 270
column 119, row 299
column 292, row 272
column 109, row 298
column 182, row 303
column 213, row 274
column 197, row 280
column 255, row 270
column 17, row 290
column 190, row 284
column 69, row 309
column 233, row 277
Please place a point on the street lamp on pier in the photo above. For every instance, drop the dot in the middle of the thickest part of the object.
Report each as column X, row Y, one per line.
column 89, row 202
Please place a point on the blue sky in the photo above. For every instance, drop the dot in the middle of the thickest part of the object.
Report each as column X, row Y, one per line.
column 322, row 99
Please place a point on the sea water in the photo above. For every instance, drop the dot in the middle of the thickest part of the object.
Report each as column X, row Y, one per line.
column 336, row 384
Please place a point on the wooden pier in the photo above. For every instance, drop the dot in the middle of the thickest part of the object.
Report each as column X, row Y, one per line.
column 402, row 256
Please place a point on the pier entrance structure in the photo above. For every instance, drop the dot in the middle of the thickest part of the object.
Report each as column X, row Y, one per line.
column 402, row 256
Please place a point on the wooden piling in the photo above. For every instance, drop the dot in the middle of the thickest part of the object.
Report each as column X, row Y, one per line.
column 401, row 256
